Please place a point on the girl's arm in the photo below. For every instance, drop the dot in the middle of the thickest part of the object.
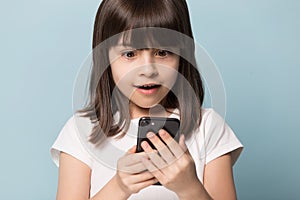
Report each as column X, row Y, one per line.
column 74, row 179
column 218, row 178
column 175, row 169
column 218, row 181
column 74, row 182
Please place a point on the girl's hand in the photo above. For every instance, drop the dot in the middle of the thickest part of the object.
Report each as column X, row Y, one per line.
column 132, row 176
column 173, row 167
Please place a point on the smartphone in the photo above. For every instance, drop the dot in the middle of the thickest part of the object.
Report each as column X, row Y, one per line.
column 154, row 124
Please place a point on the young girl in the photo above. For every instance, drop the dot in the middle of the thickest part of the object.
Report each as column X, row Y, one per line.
column 144, row 65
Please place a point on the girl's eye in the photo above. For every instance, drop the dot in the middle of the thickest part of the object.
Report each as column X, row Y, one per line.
column 129, row 54
column 162, row 53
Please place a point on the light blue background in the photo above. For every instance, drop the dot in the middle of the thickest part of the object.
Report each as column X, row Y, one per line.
column 255, row 44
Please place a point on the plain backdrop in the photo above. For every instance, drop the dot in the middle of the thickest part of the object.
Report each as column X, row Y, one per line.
column 255, row 45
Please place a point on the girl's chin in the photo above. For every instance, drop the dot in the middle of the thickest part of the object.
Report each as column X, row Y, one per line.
column 143, row 106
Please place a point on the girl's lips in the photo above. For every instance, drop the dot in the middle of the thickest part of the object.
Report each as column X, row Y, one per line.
column 148, row 89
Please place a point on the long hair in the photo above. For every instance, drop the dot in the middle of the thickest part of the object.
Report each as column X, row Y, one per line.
column 116, row 16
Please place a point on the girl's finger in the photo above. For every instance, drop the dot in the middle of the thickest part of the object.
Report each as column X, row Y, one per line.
column 131, row 159
column 174, row 147
column 133, row 169
column 144, row 184
column 163, row 150
column 154, row 157
column 153, row 169
column 141, row 177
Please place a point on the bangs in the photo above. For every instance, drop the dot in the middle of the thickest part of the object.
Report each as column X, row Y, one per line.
column 152, row 37
column 151, row 13
column 146, row 24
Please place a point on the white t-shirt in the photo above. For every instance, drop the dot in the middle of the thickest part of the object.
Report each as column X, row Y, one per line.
column 212, row 139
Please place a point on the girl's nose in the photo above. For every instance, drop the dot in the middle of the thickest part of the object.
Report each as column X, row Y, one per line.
column 148, row 66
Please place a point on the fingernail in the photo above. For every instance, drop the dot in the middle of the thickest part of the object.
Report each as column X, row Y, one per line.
column 162, row 132
column 145, row 145
column 150, row 135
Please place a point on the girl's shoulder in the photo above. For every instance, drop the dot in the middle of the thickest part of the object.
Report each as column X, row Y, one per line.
column 209, row 115
column 77, row 120
column 218, row 136
column 71, row 139
column 213, row 124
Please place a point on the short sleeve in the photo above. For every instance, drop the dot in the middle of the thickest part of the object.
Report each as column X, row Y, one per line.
column 68, row 142
column 219, row 137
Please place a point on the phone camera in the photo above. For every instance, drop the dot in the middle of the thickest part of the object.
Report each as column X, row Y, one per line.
column 144, row 123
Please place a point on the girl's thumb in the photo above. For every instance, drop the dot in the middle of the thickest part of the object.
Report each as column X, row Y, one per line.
column 132, row 150
column 182, row 142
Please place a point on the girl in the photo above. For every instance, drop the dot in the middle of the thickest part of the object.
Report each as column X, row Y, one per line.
column 143, row 64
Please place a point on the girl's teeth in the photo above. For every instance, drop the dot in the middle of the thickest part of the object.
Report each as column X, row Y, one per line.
column 147, row 86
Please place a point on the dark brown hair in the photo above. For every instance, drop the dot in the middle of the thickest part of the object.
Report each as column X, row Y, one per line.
column 116, row 16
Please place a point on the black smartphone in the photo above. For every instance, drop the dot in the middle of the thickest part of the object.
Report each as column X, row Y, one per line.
column 154, row 124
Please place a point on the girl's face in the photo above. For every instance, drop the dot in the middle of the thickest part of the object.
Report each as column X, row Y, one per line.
column 144, row 76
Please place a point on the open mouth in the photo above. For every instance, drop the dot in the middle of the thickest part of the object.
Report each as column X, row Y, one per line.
column 148, row 86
